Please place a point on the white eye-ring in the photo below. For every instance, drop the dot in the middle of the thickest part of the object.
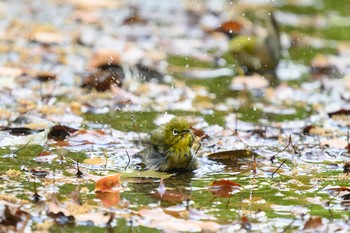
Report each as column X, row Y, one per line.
column 175, row 132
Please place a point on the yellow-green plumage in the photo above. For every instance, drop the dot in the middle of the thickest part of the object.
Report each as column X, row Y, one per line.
column 171, row 147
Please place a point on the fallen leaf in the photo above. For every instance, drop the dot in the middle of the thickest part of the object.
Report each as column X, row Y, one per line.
column 49, row 37
column 95, row 161
column 109, row 183
column 60, row 132
column 249, row 82
column 336, row 143
column 157, row 218
column 313, row 223
column 104, row 57
column 39, row 174
column 339, row 112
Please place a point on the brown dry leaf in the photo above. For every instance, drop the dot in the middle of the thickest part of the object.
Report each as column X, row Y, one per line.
column 315, row 130
column 338, row 191
column 76, row 108
column 339, row 112
column 10, row 71
column 320, row 61
column 104, row 57
column 98, row 218
column 93, row 4
column 249, row 82
column 45, row 157
column 336, row 143
column 84, row 137
column 60, row 132
column 177, row 212
column 313, row 223
column 157, row 218
column 109, row 183
column 95, row 161
column 49, row 37
column 44, row 76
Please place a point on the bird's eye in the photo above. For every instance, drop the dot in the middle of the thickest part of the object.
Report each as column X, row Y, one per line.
column 175, row 132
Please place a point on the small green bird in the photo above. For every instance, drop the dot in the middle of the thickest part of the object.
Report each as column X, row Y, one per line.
column 171, row 147
column 258, row 53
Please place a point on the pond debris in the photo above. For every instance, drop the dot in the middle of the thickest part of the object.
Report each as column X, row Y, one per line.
column 313, row 224
column 60, row 132
column 13, row 219
column 79, row 173
column 110, row 183
column 143, row 59
column 278, row 168
column 223, row 188
column 346, row 167
column 39, row 173
column 36, row 197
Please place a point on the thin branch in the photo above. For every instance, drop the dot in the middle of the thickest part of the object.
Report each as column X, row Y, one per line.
column 289, row 143
column 22, row 147
column 129, row 160
column 200, row 145
column 289, row 226
column 278, row 168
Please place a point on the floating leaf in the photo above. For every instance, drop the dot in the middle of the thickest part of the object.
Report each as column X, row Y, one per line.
column 313, row 223
column 234, row 159
column 108, row 183
column 232, row 154
column 95, row 161
column 336, row 143
column 339, row 112
column 60, row 132
column 39, row 174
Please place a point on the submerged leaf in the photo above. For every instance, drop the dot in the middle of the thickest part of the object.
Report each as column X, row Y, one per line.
column 223, row 188
column 109, row 198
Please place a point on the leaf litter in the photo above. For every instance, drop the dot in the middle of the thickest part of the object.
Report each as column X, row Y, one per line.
column 79, row 96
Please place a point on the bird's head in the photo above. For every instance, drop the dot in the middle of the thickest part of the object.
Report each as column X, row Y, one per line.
column 177, row 131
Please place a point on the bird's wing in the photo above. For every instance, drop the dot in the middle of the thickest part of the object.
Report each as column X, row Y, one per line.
column 157, row 136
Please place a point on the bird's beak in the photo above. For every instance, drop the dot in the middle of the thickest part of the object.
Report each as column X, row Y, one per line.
column 185, row 131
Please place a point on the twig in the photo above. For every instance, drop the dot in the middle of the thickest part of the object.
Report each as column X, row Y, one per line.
column 289, row 143
column 79, row 174
column 129, row 160
column 200, row 145
column 22, row 147
column 236, row 123
column 278, row 168
column 289, row 225
column 254, row 165
column 134, row 126
column 106, row 157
